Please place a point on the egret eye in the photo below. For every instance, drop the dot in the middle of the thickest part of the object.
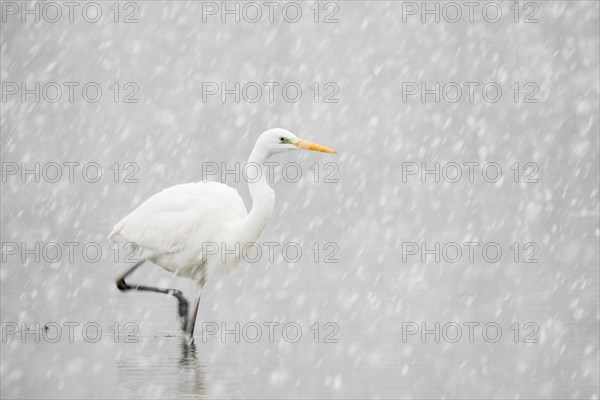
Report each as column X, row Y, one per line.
column 282, row 139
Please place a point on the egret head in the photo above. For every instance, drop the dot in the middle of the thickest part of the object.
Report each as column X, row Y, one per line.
column 279, row 140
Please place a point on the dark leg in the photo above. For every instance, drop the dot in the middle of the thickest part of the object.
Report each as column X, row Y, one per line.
column 183, row 303
column 192, row 323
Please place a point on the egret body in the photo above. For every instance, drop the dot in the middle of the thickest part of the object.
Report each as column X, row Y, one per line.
column 171, row 228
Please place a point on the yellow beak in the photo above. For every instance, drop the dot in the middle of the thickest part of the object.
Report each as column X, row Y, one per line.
column 306, row 145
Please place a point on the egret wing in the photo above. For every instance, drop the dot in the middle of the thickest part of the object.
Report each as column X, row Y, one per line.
column 167, row 221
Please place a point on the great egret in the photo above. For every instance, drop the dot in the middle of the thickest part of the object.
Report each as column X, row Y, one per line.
column 171, row 227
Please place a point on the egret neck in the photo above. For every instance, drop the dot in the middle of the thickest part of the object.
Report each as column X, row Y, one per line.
column 263, row 198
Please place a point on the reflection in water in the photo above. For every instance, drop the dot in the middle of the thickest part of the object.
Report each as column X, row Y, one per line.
column 188, row 353
column 166, row 367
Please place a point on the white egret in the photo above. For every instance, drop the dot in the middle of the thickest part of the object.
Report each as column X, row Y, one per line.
column 172, row 227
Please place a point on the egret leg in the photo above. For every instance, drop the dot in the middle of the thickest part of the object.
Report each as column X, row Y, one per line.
column 194, row 313
column 183, row 303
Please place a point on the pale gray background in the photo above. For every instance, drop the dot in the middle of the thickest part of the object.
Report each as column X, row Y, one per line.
column 370, row 212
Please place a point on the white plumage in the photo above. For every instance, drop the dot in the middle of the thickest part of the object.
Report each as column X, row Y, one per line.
column 198, row 230
column 170, row 227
